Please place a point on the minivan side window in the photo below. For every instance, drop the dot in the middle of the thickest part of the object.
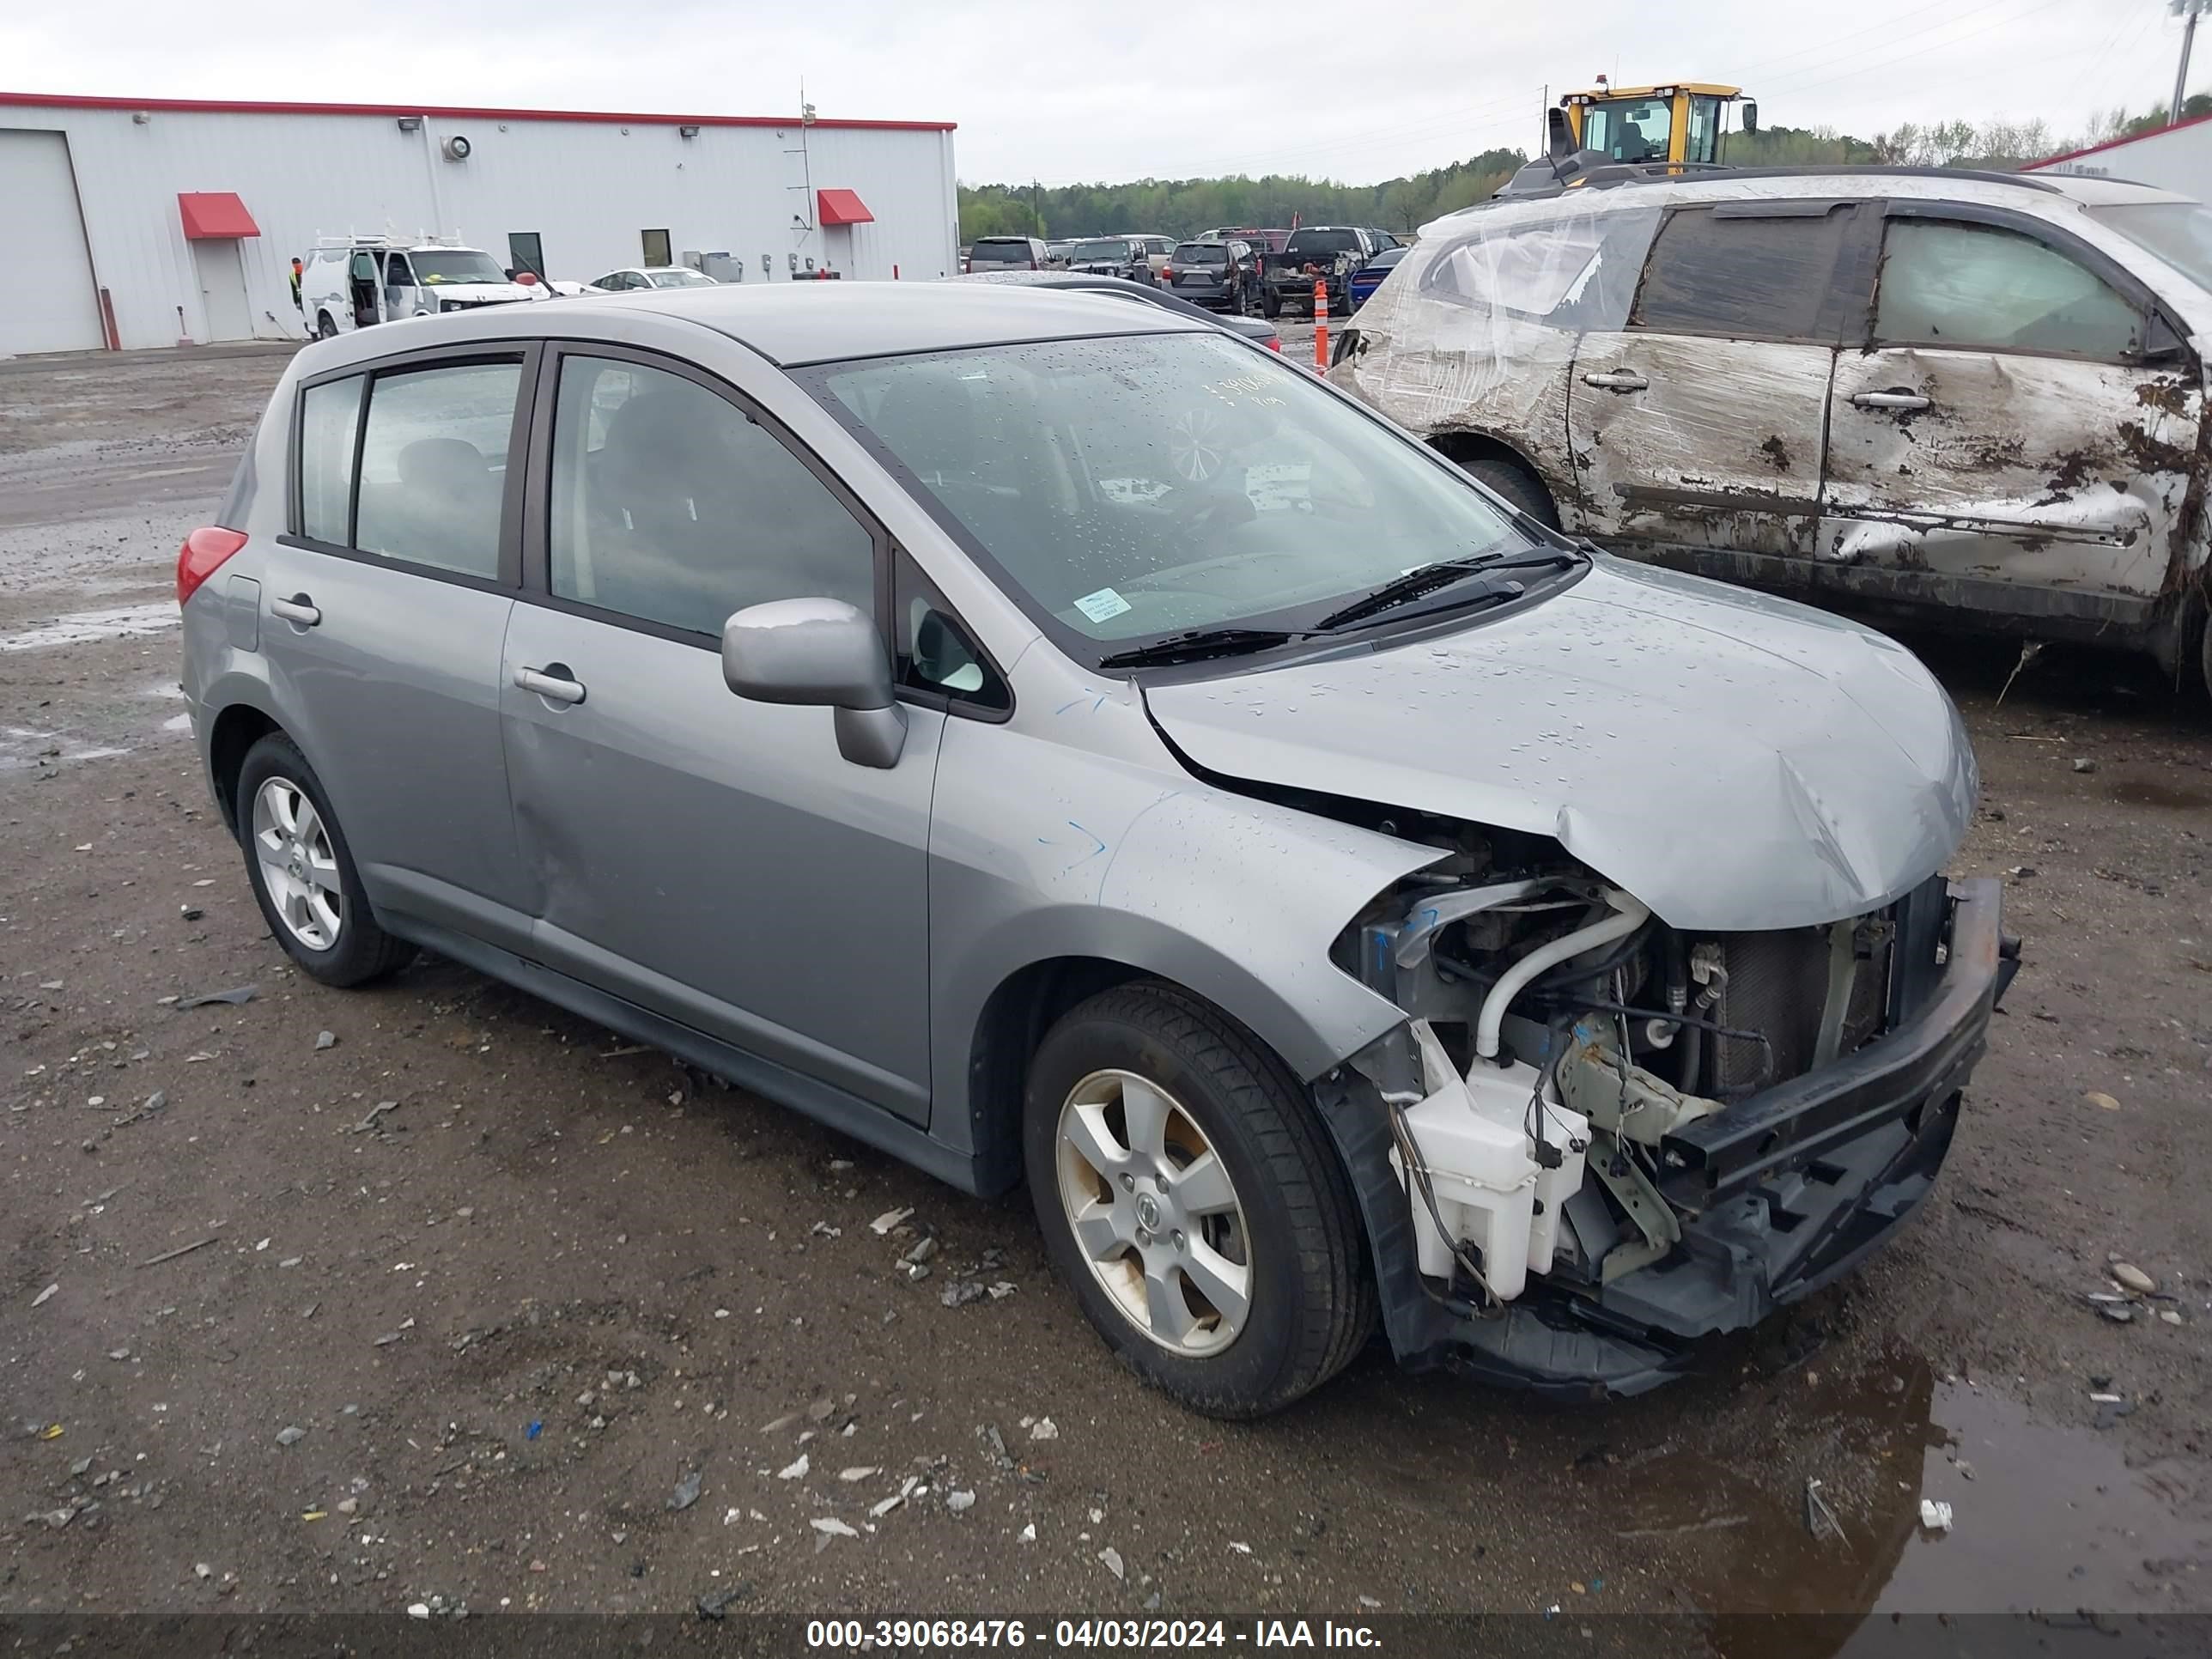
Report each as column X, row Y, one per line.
column 1980, row 287
column 434, row 465
column 1744, row 275
column 670, row 505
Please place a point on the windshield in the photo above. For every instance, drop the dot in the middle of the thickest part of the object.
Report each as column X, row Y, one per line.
column 458, row 264
column 1322, row 241
column 1134, row 488
column 681, row 278
column 2180, row 232
column 1202, row 254
column 1100, row 251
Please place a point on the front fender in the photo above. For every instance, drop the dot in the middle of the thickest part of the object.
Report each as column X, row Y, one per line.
column 1042, row 853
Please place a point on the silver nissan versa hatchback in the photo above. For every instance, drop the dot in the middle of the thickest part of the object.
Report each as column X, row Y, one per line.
column 1055, row 741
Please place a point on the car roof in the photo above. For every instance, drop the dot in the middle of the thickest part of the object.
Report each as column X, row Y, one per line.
column 792, row 324
column 2051, row 192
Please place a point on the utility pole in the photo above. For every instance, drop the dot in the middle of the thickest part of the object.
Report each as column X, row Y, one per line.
column 2189, row 9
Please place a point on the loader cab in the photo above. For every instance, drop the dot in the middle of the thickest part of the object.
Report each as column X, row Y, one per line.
column 1683, row 122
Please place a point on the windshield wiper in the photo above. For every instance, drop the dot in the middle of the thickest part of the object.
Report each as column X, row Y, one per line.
column 1199, row 643
column 1427, row 578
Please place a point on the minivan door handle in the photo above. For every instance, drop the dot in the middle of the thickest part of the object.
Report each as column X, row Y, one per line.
column 1904, row 400
column 1617, row 380
column 552, row 683
column 297, row 609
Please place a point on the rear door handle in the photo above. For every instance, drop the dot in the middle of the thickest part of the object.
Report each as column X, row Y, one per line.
column 556, row 687
column 296, row 608
column 1618, row 379
column 1904, row 400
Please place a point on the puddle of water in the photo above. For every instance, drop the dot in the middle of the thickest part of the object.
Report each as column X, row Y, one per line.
column 2050, row 1518
column 2158, row 794
column 84, row 627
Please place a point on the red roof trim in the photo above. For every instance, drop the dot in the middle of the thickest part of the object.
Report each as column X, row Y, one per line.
column 841, row 207
column 2114, row 143
column 248, row 106
column 214, row 215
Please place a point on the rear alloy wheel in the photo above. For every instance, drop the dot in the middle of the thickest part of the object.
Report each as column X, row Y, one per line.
column 1189, row 1196
column 302, row 872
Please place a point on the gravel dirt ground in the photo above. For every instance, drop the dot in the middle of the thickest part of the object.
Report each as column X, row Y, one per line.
column 332, row 1302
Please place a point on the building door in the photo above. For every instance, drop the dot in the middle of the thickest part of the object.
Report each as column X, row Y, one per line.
column 222, row 289
column 526, row 251
column 656, row 248
column 47, row 299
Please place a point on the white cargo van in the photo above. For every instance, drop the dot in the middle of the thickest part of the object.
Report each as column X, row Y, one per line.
column 350, row 283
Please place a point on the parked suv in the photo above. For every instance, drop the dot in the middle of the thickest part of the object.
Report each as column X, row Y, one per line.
column 1053, row 740
column 1958, row 399
column 1005, row 254
column 1126, row 256
column 1219, row 276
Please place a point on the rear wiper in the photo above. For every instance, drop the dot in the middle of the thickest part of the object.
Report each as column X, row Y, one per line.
column 1197, row 644
column 1427, row 578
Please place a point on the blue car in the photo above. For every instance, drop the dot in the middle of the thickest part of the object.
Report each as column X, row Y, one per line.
column 1369, row 276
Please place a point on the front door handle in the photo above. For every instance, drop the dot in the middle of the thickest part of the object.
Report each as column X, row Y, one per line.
column 1618, row 379
column 551, row 683
column 1907, row 401
column 297, row 609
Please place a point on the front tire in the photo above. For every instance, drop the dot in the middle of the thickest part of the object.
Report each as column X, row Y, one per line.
column 303, row 874
column 1189, row 1196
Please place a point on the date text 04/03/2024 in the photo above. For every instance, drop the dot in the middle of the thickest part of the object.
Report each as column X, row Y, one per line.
column 925, row 1634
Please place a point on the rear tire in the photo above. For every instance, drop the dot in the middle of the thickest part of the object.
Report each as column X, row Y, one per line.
column 1189, row 1195
column 325, row 328
column 302, row 872
column 1517, row 485
column 1271, row 306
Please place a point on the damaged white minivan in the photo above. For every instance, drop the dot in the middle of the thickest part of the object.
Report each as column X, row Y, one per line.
column 1949, row 398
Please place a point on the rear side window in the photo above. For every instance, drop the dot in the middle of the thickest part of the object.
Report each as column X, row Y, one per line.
column 1575, row 274
column 1764, row 277
column 329, row 417
column 1980, row 287
column 434, row 467
column 672, row 506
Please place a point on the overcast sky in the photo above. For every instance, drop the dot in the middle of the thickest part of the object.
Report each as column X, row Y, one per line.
column 1114, row 89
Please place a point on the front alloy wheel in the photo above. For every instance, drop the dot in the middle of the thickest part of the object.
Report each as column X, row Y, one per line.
column 1152, row 1203
column 1190, row 1194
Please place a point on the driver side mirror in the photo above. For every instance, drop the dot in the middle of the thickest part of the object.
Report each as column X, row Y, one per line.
column 1750, row 115
column 821, row 652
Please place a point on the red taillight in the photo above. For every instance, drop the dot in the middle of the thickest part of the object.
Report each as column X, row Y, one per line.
column 1275, row 343
column 202, row 555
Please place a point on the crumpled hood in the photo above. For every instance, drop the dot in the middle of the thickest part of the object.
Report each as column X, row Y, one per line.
column 1736, row 761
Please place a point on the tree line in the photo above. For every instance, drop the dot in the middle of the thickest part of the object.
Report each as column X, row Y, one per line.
column 1185, row 207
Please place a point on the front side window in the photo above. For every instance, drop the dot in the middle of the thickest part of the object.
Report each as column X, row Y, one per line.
column 1134, row 488
column 329, row 417
column 434, row 465
column 1760, row 277
column 670, row 505
column 1981, row 287
column 396, row 273
column 1629, row 129
column 444, row 265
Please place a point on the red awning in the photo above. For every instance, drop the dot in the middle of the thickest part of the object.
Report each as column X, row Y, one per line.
column 842, row 207
column 214, row 215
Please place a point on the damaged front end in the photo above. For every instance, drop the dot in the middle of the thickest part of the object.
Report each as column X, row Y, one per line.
column 1598, row 1138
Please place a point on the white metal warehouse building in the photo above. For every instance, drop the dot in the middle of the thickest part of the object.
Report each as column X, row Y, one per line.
column 2176, row 158
column 153, row 222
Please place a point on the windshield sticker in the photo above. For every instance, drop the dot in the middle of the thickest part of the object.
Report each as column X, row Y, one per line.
column 1101, row 606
